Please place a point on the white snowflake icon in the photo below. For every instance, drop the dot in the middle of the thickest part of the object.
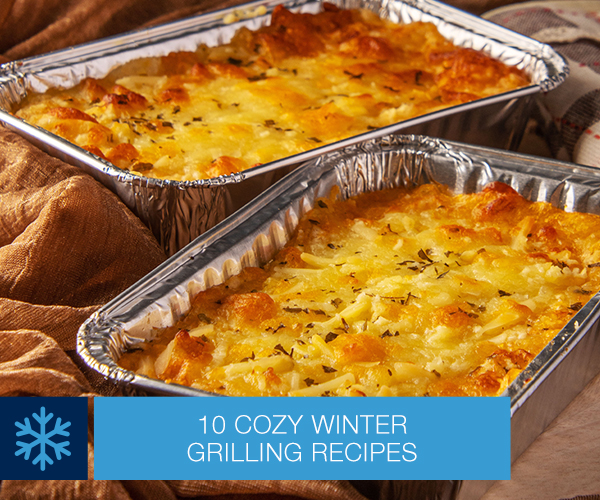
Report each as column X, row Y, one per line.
column 43, row 439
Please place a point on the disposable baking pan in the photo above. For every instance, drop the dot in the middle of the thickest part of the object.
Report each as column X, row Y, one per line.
column 255, row 233
column 177, row 211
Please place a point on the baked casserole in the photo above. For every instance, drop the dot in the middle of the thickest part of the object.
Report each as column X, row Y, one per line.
column 391, row 293
column 303, row 81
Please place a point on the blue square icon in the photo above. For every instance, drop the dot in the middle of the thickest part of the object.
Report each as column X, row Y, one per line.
column 43, row 438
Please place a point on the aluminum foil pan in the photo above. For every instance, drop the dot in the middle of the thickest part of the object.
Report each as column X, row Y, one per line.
column 177, row 212
column 253, row 235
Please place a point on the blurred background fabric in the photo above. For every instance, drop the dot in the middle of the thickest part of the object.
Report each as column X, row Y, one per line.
column 68, row 245
column 568, row 118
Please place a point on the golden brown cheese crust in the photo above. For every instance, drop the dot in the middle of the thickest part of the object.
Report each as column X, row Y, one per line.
column 394, row 293
column 303, row 81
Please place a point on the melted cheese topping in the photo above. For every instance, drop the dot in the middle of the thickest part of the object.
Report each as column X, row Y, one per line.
column 304, row 81
column 393, row 293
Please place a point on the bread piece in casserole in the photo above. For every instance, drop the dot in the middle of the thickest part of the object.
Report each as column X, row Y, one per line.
column 303, row 81
column 391, row 293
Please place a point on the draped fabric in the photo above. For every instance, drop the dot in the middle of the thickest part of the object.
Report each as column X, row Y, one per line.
column 68, row 245
column 568, row 118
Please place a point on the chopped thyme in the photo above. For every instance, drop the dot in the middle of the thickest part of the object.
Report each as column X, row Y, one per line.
column 280, row 348
column 295, row 310
column 423, row 255
column 330, row 336
column 353, row 76
column 275, row 330
column 336, row 302
column 257, row 78
column 247, row 358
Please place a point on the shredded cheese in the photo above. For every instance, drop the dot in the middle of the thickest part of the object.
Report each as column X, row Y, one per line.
column 304, row 81
column 460, row 309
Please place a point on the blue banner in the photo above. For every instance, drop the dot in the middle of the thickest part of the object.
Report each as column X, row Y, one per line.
column 302, row 438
